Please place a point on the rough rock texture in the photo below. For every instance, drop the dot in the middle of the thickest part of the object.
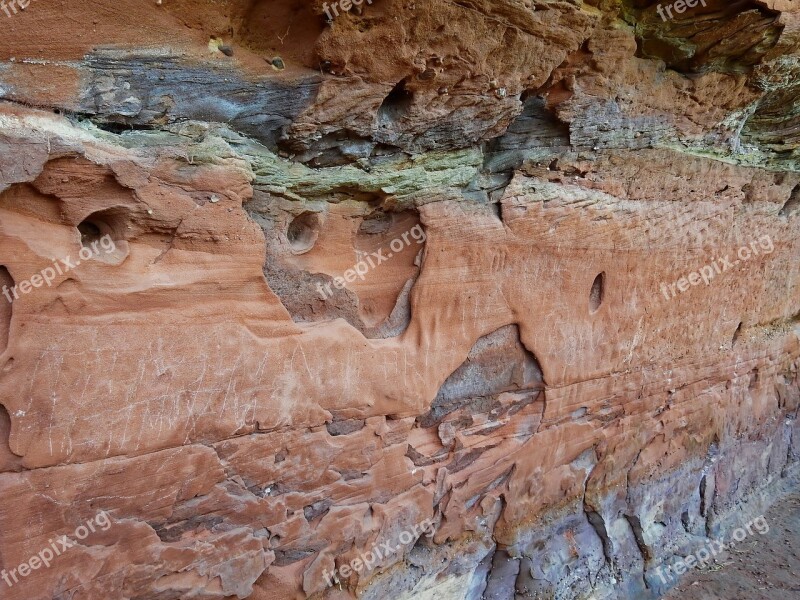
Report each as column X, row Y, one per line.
column 531, row 371
column 759, row 569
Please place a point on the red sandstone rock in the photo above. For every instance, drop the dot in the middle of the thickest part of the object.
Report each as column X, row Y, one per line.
column 540, row 371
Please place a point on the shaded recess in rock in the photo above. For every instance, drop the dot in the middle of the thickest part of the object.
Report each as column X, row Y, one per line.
column 775, row 123
column 174, row 531
column 396, row 105
column 737, row 333
column 537, row 131
column 111, row 222
column 638, row 533
column 498, row 362
column 728, row 37
column 536, row 134
column 345, row 427
column 403, row 118
column 502, row 576
column 123, row 128
column 288, row 557
column 303, row 232
column 596, row 521
column 342, row 147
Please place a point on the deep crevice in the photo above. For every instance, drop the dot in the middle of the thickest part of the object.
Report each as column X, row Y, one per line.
column 599, row 526
column 638, row 534
column 737, row 333
column 702, row 491
column 119, row 128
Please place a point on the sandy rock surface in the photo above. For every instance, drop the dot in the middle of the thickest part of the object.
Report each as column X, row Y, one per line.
column 414, row 300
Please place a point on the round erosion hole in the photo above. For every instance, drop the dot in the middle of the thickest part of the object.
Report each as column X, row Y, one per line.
column 109, row 223
column 303, row 232
column 103, row 235
column 90, row 232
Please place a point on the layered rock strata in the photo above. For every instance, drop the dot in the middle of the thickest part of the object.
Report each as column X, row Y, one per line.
column 526, row 272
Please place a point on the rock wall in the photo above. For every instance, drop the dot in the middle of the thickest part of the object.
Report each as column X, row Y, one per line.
column 499, row 297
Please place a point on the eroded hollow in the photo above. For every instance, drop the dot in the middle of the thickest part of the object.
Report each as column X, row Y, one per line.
column 352, row 260
column 110, row 221
column 90, row 232
column 303, row 232
column 103, row 235
column 375, row 224
column 396, row 105
column 498, row 362
column 597, row 292
column 390, row 246
column 691, row 41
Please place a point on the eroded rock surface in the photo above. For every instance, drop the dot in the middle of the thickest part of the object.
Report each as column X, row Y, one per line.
column 282, row 288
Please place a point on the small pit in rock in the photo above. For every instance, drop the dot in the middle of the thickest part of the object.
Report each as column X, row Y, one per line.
column 303, row 232
column 597, row 292
column 103, row 234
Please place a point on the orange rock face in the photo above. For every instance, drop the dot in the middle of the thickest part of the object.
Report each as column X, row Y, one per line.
column 420, row 301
